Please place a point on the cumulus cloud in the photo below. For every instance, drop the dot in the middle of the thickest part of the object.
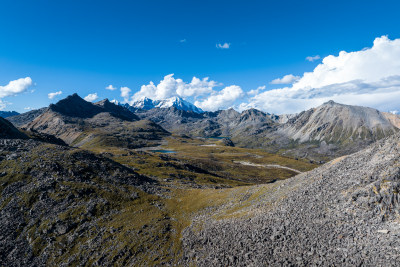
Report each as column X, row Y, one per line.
column 91, row 97
column 15, row 87
column 287, row 79
column 256, row 91
column 53, row 95
column 222, row 99
column 369, row 77
column 224, row 46
column 125, row 91
column 313, row 58
column 202, row 90
column 169, row 87
column 110, row 87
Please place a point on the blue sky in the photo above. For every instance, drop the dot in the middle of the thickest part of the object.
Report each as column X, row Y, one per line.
column 84, row 46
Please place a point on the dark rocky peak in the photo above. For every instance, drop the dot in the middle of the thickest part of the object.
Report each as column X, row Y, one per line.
column 254, row 115
column 228, row 114
column 116, row 110
column 330, row 102
column 75, row 106
column 253, row 112
column 8, row 131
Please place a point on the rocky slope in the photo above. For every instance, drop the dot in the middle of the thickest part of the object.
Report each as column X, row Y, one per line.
column 24, row 118
column 58, row 205
column 78, row 122
column 328, row 131
column 211, row 124
column 393, row 118
column 344, row 213
column 334, row 123
column 7, row 130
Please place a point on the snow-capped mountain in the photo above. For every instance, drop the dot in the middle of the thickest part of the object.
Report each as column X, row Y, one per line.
column 177, row 102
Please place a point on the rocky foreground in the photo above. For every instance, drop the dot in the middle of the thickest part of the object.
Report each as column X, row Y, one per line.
column 344, row 213
column 57, row 205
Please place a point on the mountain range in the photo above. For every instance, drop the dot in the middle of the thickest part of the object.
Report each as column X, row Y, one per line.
column 78, row 122
column 6, row 114
column 325, row 132
column 76, row 190
column 320, row 134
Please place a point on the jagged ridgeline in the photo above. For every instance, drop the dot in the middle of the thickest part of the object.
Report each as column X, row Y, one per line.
column 83, row 124
column 325, row 132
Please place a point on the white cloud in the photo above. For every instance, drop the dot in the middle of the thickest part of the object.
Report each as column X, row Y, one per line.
column 182, row 41
column 222, row 99
column 169, row 87
column 52, row 95
column 256, row 91
column 369, row 77
column 3, row 105
column 27, row 108
column 202, row 90
column 15, row 87
column 224, row 46
column 110, row 87
column 91, row 97
column 313, row 58
column 125, row 91
column 287, row 79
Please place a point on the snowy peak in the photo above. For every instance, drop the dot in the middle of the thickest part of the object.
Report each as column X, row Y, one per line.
column 143, row 103
column 177, row 102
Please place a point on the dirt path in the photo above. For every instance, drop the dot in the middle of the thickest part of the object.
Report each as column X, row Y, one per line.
column 266, row 165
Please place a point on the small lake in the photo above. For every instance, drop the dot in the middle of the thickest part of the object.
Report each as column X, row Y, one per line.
column 163, row 151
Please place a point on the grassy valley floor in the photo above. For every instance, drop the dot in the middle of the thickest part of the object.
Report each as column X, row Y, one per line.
column 88, row 217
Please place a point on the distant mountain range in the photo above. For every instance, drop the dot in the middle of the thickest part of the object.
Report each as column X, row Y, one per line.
column 321, row 133
column 5, row 114
column 81, row 123
column 177, row 102
column 324, row 132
